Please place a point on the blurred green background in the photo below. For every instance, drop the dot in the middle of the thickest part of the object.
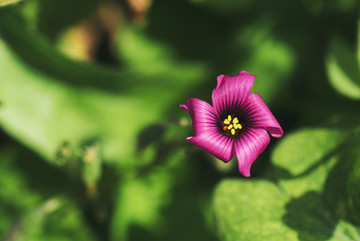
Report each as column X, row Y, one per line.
column 92, row 139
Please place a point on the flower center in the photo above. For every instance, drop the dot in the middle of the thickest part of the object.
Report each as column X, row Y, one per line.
column 232, row 125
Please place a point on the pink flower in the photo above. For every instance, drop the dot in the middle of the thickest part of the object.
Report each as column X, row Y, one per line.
column 237, row 123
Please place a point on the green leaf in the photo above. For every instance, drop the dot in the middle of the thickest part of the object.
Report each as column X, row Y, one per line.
column 27, row 212
column 315, row 196
column 353, row 185
column 305, row 158
column 260, row 210
column 358, row 44
column 250, row 210
column 271, row 59
column 48, row 99
column 141, row 198
column 8, row 2
column 343, row 69
column 55, row 219
column 292, row 153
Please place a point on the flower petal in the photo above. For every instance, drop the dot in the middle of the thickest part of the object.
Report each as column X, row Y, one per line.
column 204, row 117
column 250, row 144
column 207, row 133
column 215, row 143
column 259, row 116
column 232, row 91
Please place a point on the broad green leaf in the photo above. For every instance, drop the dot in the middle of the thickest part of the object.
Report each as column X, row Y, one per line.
column 343, row 69
column 315, row 196
column 306, row 158
column 302, row 150
column 250, row 210
column 260, row 210
column 48, row 99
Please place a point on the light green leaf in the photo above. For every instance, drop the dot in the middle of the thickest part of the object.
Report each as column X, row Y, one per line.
column 27, row 212
column 305, row 158
column 55, row 219
column 353, row 185
column 299, row 151
column 343, row 69
column 345, row 231
column 141, row 198
column 260, row 210
column 48, row 99
column 315, row 196
column 250, row 210
column 7, row 2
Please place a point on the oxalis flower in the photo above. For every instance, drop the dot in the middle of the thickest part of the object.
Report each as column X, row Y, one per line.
column 237, row 123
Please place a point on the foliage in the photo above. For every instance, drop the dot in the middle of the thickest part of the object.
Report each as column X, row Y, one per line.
column 92, row 139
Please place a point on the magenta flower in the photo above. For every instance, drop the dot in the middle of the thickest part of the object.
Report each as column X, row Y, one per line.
column 237, row 123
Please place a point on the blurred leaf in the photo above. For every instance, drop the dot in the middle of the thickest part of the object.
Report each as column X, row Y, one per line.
column 55, row 16
column 227, row 6
column 15, row 195
column 91, row 167
column 55, row 219
column 7, row 2
column 48, row 99
column 358, row 43
column 271, row 59
column 353, row 187
column 332, row 6
column 141, row 198
column 343, row 69
column 27, row 212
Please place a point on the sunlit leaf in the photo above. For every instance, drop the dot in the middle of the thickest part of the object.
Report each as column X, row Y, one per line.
column 250, row 210
column 343, row 69
column 55, row 219
column 7, row 2
column 61, row 100
column 260, row 210
column 302, row 150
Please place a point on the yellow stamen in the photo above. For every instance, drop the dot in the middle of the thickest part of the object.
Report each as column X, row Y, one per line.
column 231, row 126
